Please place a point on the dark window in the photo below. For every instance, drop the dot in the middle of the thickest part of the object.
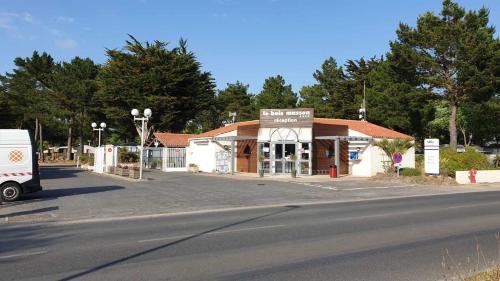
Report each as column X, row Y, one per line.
column 247, row 152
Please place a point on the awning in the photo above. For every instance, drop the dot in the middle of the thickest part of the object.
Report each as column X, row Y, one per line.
column 234, row 138
column 344, row 138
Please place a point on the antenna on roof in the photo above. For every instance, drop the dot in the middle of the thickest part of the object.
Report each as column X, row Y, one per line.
column 362, row 110
column 233, row 114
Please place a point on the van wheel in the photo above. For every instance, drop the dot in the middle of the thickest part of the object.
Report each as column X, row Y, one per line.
column 10, row 191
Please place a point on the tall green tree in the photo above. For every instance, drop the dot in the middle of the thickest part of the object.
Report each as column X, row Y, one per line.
column 150, row 75
column 332, row 81
column 28, row 91
column 7, row 116
column 235, row 98
column 318, row 98
column 394, row 102
column 276, row 94
column 74, row 87
column 453, row 53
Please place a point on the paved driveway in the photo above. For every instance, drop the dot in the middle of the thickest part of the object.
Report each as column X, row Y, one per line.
column 73, row 194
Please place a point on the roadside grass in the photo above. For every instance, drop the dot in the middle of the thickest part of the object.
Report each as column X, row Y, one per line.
column 477, row 269
column 423, row 179
column 490, row 275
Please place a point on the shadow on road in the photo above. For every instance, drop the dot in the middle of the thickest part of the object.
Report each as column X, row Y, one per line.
column 24, row 201
column 62, row 192
column 106, row 265
column 26, row 238
column 29, row 212
column 49, row 173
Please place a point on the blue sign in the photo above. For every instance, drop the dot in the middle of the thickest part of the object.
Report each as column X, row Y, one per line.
column 353, row 155
column 397, row 157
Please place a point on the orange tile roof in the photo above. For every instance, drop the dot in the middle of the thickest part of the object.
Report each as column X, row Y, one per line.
column 364, row 127
column 173, row 140
column 226, row 129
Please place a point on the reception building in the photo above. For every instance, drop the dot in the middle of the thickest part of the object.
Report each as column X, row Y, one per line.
column 283, row 140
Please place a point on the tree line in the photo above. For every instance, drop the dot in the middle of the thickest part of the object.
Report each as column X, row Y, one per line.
column 440, row 78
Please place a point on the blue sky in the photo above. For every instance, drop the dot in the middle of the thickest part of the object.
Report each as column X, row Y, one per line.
column 234, row 39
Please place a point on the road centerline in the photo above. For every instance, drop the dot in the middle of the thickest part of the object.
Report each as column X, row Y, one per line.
column 210, row 233
column 23, row 254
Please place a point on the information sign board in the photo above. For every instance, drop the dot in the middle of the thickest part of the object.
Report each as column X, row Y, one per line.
column 431, row 156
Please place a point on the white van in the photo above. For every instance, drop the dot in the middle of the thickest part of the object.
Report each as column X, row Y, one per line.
column 19, row 171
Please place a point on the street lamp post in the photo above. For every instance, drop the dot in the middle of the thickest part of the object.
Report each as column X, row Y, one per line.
column 94, row 126
column 144, row 120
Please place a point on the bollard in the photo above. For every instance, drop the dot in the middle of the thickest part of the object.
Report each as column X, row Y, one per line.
column 472, row 175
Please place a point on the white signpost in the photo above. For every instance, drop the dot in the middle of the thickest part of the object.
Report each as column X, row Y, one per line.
column 431, row 156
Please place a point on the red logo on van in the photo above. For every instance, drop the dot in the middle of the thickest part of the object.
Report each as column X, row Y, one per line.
column 15, row 156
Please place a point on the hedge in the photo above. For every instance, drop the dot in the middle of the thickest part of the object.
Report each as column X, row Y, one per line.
column 452, row 161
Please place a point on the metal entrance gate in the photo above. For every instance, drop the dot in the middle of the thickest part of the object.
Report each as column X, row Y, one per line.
column 175, row 159
column 153, row 158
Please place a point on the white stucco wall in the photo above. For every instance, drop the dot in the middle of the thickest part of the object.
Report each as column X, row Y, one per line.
column 361, row 167
column 203, row 155
column 482, row 176
column 201, row 152
column 372, row 157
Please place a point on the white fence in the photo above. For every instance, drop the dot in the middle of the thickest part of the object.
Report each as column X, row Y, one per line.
column 99, row 160
column 482, row 176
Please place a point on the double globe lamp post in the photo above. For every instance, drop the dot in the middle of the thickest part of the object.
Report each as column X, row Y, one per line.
column 103, row 126
column 147, row 115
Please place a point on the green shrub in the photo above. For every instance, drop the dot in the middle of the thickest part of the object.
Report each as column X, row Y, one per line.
column 127, row 156
column 419, row 163
column 410, row 172
column 496, row 161
column 87, row 159
column 451, row 161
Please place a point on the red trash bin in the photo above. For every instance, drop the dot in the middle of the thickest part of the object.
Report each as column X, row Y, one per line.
column 333, row 171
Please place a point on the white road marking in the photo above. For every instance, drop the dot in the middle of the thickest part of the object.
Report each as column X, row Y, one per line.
column 210, row 233
column 369, row 187
column 245, row 229
column 23, row 254
column 163, row 238
column 350, row 189
column 354, row 188
column 473, row 205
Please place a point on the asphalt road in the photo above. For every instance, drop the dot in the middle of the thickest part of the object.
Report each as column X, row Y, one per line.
column 396, row 239
column 71, row 194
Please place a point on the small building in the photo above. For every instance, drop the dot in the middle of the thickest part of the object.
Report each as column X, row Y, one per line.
column 170, row 151
column 286, row 139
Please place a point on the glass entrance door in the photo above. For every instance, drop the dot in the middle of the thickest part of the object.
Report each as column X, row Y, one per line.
column 284, row 162
column 278, row 158
column 290, row 157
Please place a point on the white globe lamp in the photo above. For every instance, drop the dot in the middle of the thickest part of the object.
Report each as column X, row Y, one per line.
column 135, row 112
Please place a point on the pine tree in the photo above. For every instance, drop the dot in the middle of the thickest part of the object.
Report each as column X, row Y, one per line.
column 454, row 54
column 276, row 94
column 169, row 81
column 235, row 98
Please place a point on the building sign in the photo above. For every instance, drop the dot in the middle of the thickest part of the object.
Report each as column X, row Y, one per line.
column 431, row 156
column 283, row 118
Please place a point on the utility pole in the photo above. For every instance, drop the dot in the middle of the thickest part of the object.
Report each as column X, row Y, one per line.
column 362, row 110
column 233, row 115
